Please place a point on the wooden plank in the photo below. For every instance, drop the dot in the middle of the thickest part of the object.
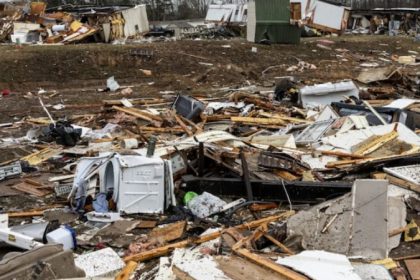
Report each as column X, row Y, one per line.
column 134, row 113
column 34, row 190
column 279, row 244
column 143, row 101
column 32, row 182
column 372, row 146
column 180, row 274
column 147, row 114
column 161, row 129
column 60, row 178
column 124, row 274
column 183, row 125
column 146, row 224
column 281, row 270
column 257, row 121
column 343, row 154
column 41, row 156
column 285, row 118
column 403, row 183
column 163, row 250
column 169, row 232
column 413, row 267
column 286, row 175
column 26, row 214
column 192, row 124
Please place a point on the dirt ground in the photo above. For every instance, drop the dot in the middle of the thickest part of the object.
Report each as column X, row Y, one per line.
column 194, row 67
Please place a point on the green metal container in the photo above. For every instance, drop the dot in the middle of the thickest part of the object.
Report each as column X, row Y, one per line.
column 272, row 22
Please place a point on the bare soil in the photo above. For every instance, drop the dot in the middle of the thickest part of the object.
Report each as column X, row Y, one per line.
column 77, row 71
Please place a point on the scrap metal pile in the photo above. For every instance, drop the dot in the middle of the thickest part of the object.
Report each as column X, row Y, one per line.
column 297, row 182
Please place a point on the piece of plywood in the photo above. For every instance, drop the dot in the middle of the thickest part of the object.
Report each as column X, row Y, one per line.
column 413, row 267
column 168, row 232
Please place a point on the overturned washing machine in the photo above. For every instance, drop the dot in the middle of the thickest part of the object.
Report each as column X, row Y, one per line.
column 138, row 184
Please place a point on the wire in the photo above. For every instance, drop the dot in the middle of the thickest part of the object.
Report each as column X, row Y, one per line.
column 287, row 195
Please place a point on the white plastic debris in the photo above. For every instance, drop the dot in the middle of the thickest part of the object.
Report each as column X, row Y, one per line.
column 112, row 84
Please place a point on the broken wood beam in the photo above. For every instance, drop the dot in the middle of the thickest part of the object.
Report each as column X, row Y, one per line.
column 129, row 268
column 141, row 101
column 161, row 251
column 26, row 214
column 279, row 244
column 183, row 125
column 257, row 121
column 343, row 154
column 161, row 129
column 372, row 146
column 138, row 114
column 281, row 270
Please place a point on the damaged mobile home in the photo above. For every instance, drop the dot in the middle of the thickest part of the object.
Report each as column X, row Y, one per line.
column 69, row 24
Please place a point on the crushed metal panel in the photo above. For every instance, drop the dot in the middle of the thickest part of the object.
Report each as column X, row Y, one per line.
column 328, row 15
column 379, row 74
column 141, row 185
column 314, row 132
column 10, row 170
column 135, row 20
column 321, row 265
column 410, row 173
column 370, row 215
column 325, row 94
column 327, row 113
column 220, row 13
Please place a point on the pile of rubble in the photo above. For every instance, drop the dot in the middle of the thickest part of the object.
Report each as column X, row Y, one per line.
column 33, row 23
column 298, row 182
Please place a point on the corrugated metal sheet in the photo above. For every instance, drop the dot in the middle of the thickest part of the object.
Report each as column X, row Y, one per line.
column 270, row 19
column 273, row 11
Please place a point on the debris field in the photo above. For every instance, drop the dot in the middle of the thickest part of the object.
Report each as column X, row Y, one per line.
column 211, row 159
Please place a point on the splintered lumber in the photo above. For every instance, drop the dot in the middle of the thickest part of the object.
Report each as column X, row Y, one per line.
column 134, row 101
column 279, row 244
column 126, row 272
column 374, row 112
column 26, row 214
column 284, row 118
column 192, row 124
column 258, row 121
column 138, row 114
column 215, row 118
column 282, row 270
column 342, row 154
column 403, row 183
column 180, row 274
column 183, row 125
column 161, row 251
column 372, row 146
column 41, row 156
column 147, row 114
column 169, row 232
column 37, row 189
column 161, row 129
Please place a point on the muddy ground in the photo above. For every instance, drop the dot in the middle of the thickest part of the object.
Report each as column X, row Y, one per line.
column 194, row 67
